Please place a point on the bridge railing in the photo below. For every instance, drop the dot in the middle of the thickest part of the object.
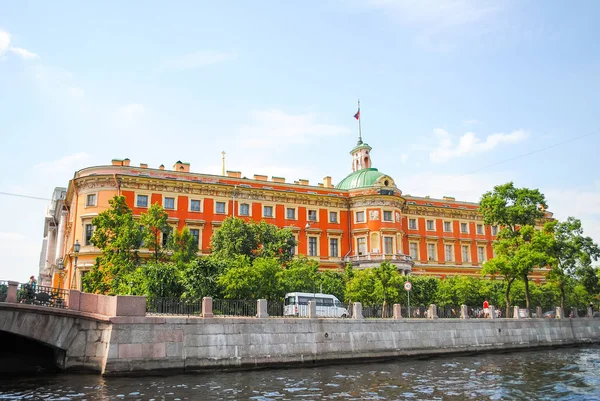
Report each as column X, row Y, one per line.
column 43, row 296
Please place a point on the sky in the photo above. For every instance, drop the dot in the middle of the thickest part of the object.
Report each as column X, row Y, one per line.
column 456, row 96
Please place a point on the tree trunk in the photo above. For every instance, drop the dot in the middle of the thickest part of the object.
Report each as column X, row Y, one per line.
column 507, row 296
column 527, row 300
column 562, row 295
column 383, row 311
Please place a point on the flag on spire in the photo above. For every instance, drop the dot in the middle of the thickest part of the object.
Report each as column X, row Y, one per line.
column 357, row 115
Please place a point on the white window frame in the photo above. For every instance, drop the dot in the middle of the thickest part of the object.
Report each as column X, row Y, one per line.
column 95, row 195
column 411, row 226
column 240, row 209
column 460, row 227
column 199, row 205
column 494, row 230
column 337, row 239
column 363, row 214
column 137, row 199
column 336, row 214
column 391, row 219
column 84, row 240
column 316, row 219
column 174, row 202
column 481, row 256
column 449, row 224
column 295, row 209
column 358, row 241
column 432, row 225
column 316, row 238
column 410, row 250
column 224, row 206
column 272, row 216
column 479, row 229
column 462, row 253
column 199, row 235
column 448, row 256
column 430, row 257
column 392, row 243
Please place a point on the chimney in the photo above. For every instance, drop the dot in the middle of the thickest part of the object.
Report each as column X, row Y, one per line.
column 182, row 167
column 327, row 182
column 303, row 181
column 234, row 174
column 126, row 162
column 161, row 167
column 321, row 185
column 278, row 179
column 261, row 177
column 449, row 198
column 143, row 165
column 116, row 162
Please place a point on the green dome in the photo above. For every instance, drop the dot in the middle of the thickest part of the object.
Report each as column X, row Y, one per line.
column 360, row 179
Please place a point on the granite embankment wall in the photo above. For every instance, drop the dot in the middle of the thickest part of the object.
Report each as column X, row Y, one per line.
column 139, row 344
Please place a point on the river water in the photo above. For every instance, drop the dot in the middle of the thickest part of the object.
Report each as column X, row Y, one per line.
column 550, row 374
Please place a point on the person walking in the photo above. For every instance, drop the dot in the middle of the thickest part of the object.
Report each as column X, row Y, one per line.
column 486, row 309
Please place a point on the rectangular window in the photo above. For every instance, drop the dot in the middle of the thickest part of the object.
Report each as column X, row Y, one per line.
column 464, row 228
column 479, row 229
column 142, row 201
column 220, row 207
column 447, row 226
column 90, row 200
column 312, row 215
column 387, row 215
column 312, row 246
column 388, row 245
column 196, row 235
column 360, row 217
column 412, row 224
column 494, row 230
column 169, row 203
column 244, row 209
column 362, row 245
column 290, row 213
column 448, row 255
column 333, row 247
column 267, row 211
column 333, row 217
column 481, row 254
column 195, row 205
column 89, row 231
column 166, row 234
column 430, row 225
column 430, row 251
column 465, row 253
column 414, row 250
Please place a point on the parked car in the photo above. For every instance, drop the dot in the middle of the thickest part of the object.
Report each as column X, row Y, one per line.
column 550, row 314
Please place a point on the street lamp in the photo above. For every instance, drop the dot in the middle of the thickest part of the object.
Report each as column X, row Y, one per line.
column 76, row 248
column 61, row 267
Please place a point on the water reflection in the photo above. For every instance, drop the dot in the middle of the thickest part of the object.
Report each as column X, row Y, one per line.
column 559, row 374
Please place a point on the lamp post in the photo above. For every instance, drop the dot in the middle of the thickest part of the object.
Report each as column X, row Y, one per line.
column 61, row 273
column 76, row 248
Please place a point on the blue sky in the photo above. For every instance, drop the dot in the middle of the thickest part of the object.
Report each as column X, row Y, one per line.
column 447, row 89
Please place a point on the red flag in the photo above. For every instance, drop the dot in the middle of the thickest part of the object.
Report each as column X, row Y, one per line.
column 357, row 115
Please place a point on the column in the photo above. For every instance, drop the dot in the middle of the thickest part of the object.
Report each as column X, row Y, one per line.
column 60, row 239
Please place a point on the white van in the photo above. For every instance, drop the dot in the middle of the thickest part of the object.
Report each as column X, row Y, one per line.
column 296, row 304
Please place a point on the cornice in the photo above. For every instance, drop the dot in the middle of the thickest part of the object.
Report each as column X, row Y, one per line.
column 423, row 210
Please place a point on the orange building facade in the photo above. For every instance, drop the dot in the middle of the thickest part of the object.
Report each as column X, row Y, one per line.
column 362, row 220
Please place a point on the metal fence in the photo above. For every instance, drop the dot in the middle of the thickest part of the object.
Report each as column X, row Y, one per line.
column 3, row 290
column 275, row 308
column 173, row 306
column 231, row 307
column 42, row 295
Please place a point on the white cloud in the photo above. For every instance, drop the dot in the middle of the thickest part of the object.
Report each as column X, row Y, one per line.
column 24, row 53
column 403, row 158
column 75, row 92
column 67, row 164
column 468, row 187
column 469, row 144
column 6, row 47
column 132, row 110
column 277, row 128
column 199, row 59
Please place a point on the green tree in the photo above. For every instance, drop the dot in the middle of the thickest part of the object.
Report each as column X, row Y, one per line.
column 200, row 278
column 118, row 237
column 361, row 287
column 237, row 237
column 513, row 209
column 386, row 274
column 332, row 282
column 573, row 254
column 163, row 280
column 183, row 246
column 252, row 279
column 301, row 275
column 155, row 224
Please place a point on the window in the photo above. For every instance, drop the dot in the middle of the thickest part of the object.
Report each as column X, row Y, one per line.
column 312, row 215
column 464, row 228
column 361, row 245
column 169, row 203
column 267, row 211
column 195, row 205
column 312, row 246
column 360, row 217
column 333, row 217
column 388, row 245
column 244, row 209
column 90, row 200
column 448, row 255
column 89, row 231
column 220, row 207
column 430, row 225
column 142, row 201
column 412, row 224
column 166, row 234
column 290, row 213
column 196, row 235
column 479, row 228
column 333, row 247
column 494, row 230
column 430, row 251
column 447, row 226
column 481, row 254
column 414, row 250
column 387, row 215
column 465, row 253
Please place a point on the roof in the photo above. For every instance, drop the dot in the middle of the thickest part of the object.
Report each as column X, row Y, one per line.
column 365, row 177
